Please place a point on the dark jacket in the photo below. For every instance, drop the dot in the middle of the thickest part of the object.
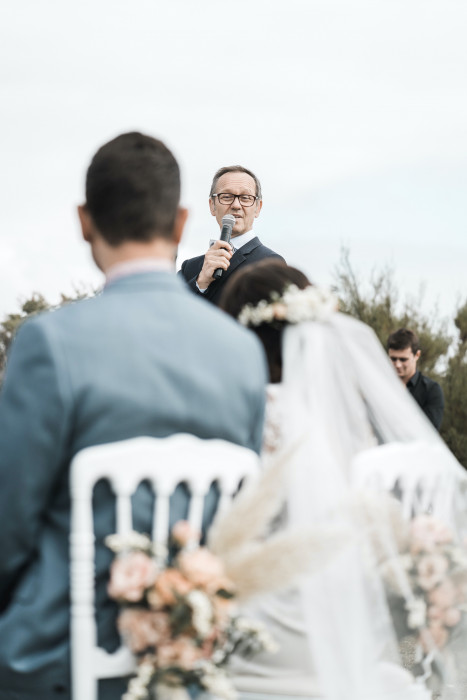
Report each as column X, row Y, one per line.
column 429, row 396
column 249, row 253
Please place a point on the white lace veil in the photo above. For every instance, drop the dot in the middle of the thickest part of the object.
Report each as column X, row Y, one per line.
column 357, row 427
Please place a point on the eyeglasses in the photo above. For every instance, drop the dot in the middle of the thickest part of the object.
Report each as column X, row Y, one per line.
column 245, row 200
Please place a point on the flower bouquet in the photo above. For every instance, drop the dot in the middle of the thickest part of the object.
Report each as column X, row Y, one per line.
column 429, row 579
column 178, row 614
column 179, row 620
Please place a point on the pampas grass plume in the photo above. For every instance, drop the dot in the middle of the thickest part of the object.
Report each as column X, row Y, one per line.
column 252, row 510
column 274, row 564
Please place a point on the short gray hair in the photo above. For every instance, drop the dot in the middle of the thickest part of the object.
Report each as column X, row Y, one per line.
column 235, row 169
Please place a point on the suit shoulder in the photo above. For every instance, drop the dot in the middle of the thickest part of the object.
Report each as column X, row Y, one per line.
column 208, row 318
column 58, row 321
column 263, row 251
column 430, row 384
column 434, row 388
column 191, row 264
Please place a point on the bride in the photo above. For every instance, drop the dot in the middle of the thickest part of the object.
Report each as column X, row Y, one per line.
column 386, row 619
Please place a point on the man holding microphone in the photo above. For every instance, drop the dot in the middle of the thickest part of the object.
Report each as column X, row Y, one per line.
column 235, row 192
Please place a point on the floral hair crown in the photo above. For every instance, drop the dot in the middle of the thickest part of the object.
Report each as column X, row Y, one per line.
column 294, row 306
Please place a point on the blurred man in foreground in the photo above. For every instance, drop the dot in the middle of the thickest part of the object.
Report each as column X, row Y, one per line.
column 146, row 357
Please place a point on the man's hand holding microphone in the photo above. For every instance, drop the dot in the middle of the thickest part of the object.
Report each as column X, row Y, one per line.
column 217, row 258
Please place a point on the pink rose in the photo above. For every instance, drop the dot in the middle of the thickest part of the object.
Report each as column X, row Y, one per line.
column 183, row 534
column 434, row 613
column 426, row 533
column 443, row 596
column 167, row 584
column 435, row 635
column 179, row 652
column 431, row 569
column 204, row 570
column 130, row 575
column 452, row 617
column 143, row 628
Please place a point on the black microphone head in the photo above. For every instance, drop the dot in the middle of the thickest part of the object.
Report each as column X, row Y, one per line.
column 228, row 220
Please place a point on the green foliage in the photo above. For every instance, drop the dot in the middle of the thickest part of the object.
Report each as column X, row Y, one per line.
column 380, row 307
column 11, row 323
column 34, row 305
column 454, row 385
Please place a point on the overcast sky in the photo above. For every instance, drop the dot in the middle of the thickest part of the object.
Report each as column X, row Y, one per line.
column 353, row 113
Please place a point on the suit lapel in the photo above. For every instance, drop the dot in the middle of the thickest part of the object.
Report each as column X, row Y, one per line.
column 237, row 259
column 240, row 255
column 248, row 247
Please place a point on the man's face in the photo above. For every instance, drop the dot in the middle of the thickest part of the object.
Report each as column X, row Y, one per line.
column 236, row 183
column 405, row 362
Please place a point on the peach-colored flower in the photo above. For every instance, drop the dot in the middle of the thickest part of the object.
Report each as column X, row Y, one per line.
column 431, row 569
column 426, row 533
column 181, row 652
column 279, row 310
column 435, row 635
column 435, row 613
column 452, row 617
column 130, row 575
column 183, row 533
column 443, row 596
column 439, row 634
column 204, row 570
column 167, row 584
column 143, row 628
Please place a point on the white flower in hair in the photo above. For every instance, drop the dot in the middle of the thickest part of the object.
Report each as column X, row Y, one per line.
column 294, row 306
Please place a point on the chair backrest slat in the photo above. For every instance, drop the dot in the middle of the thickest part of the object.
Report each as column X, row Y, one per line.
column 162, row 519
column 195, row 513
column 124, row 514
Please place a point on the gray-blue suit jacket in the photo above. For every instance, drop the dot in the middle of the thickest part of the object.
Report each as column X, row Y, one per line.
column 146, row 357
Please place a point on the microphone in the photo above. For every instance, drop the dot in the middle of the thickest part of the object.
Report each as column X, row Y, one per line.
column 228, row 222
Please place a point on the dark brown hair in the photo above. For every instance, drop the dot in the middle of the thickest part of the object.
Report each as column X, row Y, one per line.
column 234, row 169
column 402, row 339
column 254, row 283
column 133, row 189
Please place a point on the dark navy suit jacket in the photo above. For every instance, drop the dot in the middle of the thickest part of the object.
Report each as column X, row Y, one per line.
column 249, row 253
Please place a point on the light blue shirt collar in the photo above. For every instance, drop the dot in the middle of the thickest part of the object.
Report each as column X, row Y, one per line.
column 138, row 266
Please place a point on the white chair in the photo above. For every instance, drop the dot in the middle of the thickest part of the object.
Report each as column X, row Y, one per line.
column 164, row 463
column 424, row 476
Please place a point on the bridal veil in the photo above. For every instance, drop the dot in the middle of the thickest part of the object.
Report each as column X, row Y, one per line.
column 386, row 618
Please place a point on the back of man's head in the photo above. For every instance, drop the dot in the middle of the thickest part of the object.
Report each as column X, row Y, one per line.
column 133, row 189
column 403, row 338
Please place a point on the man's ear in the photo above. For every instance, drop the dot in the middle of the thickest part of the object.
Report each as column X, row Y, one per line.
column 212, row 208
column 88, row 228
column 180, row 221
column 258, row 207
column 417, row 355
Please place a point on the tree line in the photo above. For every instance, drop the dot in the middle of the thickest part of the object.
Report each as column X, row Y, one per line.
column 443, row 356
